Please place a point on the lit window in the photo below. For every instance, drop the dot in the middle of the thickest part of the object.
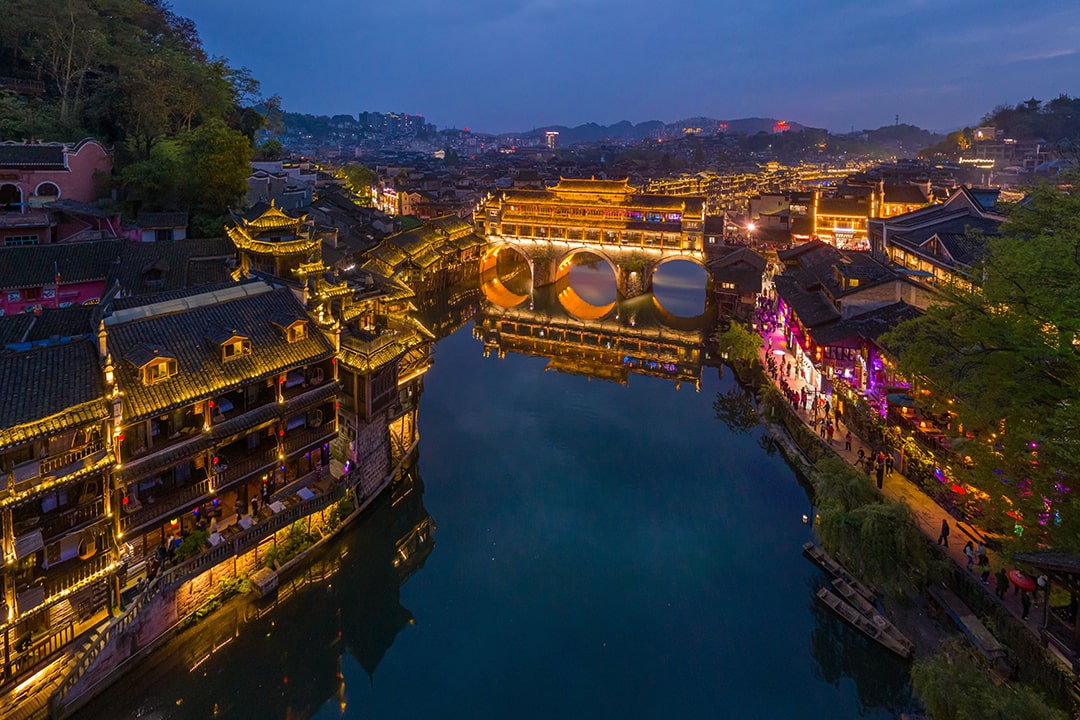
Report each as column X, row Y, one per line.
column 235, row 348
column 159, row 370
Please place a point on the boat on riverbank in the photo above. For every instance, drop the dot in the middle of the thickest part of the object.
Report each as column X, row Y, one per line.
column 865, row 625
column 869, row 611
column 836, row 570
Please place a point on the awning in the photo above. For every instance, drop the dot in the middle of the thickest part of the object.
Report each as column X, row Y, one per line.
column 901, row 400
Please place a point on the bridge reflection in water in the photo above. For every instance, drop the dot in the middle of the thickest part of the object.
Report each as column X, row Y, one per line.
column 608, row 342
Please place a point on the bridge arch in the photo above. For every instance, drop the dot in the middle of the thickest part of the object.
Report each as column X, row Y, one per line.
column 569, row 298
column 493, row 285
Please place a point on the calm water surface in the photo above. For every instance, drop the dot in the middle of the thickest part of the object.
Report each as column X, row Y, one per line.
column 602, row 551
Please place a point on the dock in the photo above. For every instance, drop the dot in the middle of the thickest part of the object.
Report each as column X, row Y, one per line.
column 970, row 625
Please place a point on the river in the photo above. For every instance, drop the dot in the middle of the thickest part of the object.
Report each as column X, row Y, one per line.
column 564, row 547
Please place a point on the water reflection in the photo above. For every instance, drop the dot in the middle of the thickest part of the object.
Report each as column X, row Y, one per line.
column 681, row 287
column 844, row 654
column 292, row 647
column 635, row 336
column 593, row 280
column 505, row 277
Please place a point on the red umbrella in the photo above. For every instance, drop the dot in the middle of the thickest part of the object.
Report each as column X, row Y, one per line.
column 1021, row 580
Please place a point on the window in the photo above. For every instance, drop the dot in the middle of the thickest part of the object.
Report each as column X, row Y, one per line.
column 235, row 348
column 31, row 293
column 728, row 285
column 159, row 370
column 17, row 240
column 47, row 189
column 298, row 332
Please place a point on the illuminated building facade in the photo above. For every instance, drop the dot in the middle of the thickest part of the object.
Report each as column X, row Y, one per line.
column 55, row 507
column 274, row 243
column 227, row 397
column 634, row 232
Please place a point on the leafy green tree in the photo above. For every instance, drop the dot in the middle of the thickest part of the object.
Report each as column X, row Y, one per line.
column 359, row 179
column 738, row 344
column 954, row 686
column 216, row 162
column 1007, row 355
column 270, row 150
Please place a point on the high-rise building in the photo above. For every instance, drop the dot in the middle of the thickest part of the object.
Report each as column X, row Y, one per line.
column 552, row 138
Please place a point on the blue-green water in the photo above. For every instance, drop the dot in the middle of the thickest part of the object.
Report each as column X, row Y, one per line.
column 602, row 551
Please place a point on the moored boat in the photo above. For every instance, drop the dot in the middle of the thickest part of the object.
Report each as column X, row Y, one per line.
column 836, row 570
column 864, row 624
column 868, row 610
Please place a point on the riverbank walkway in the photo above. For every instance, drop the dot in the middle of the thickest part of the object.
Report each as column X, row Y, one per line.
column 899, row 488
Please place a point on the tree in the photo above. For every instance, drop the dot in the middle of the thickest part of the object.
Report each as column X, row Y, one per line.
column 738, row 345
column 1006, row 355
column 953, row 686
column 270, row 150
column 359, row 179
column 216, row 164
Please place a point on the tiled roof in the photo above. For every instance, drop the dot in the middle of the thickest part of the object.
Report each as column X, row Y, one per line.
column 577, row 185
column 36, row 265
column 151, row 298
column 366, row 353
column 843, row 207
column 47, row 156
column 150, row 221
column 163, row 267
column 180, row 332
column 812, row 308
column 906, row 194
column 49, row 389
column 14, row 328
column 73, row 321
column 869, row 325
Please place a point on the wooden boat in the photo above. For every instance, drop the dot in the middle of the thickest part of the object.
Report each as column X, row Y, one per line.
column 864, row 624
column 837, row 570
column 870, row 612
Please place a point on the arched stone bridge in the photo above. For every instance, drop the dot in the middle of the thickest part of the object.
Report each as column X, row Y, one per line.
column 550, row 261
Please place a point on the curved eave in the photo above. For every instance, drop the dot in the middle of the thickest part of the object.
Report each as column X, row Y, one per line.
column 93, row 411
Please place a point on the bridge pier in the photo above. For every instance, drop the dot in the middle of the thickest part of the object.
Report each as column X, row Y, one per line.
column 633, row 280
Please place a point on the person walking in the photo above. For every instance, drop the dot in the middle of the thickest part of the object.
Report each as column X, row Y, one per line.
column 1025, row 603
column 943, row 538
column 829, row 430
column 983, row 559
column 847, row 441
column 1002, row 582
column 969, row 552
column 888, row 463
column 879, row 467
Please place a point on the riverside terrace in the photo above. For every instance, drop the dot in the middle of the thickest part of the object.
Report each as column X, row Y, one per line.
column 223, row 398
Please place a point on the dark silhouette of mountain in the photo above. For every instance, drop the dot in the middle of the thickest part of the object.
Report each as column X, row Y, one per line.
column 654, row 129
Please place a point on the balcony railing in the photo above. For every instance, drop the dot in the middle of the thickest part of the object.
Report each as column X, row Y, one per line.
column 164, row 505
column 72, row 520
column 59, row 464
column 27, row 475
column 64, row 580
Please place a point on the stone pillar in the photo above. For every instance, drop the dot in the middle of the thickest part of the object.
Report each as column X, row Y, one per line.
column 544, row 271
column 633, row 281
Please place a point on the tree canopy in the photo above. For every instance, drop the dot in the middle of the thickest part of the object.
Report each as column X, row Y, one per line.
column 133, row 74
column 1006, row 359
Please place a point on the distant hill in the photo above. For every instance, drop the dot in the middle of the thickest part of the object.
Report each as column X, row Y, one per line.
column 651, row 129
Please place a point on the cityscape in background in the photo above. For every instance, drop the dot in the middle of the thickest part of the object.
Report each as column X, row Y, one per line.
column 217, row 319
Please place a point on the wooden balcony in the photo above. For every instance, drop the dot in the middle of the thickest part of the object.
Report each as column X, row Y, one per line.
column 163, row 505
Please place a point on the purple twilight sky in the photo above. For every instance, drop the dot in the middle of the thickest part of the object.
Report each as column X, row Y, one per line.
column 510, row 65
